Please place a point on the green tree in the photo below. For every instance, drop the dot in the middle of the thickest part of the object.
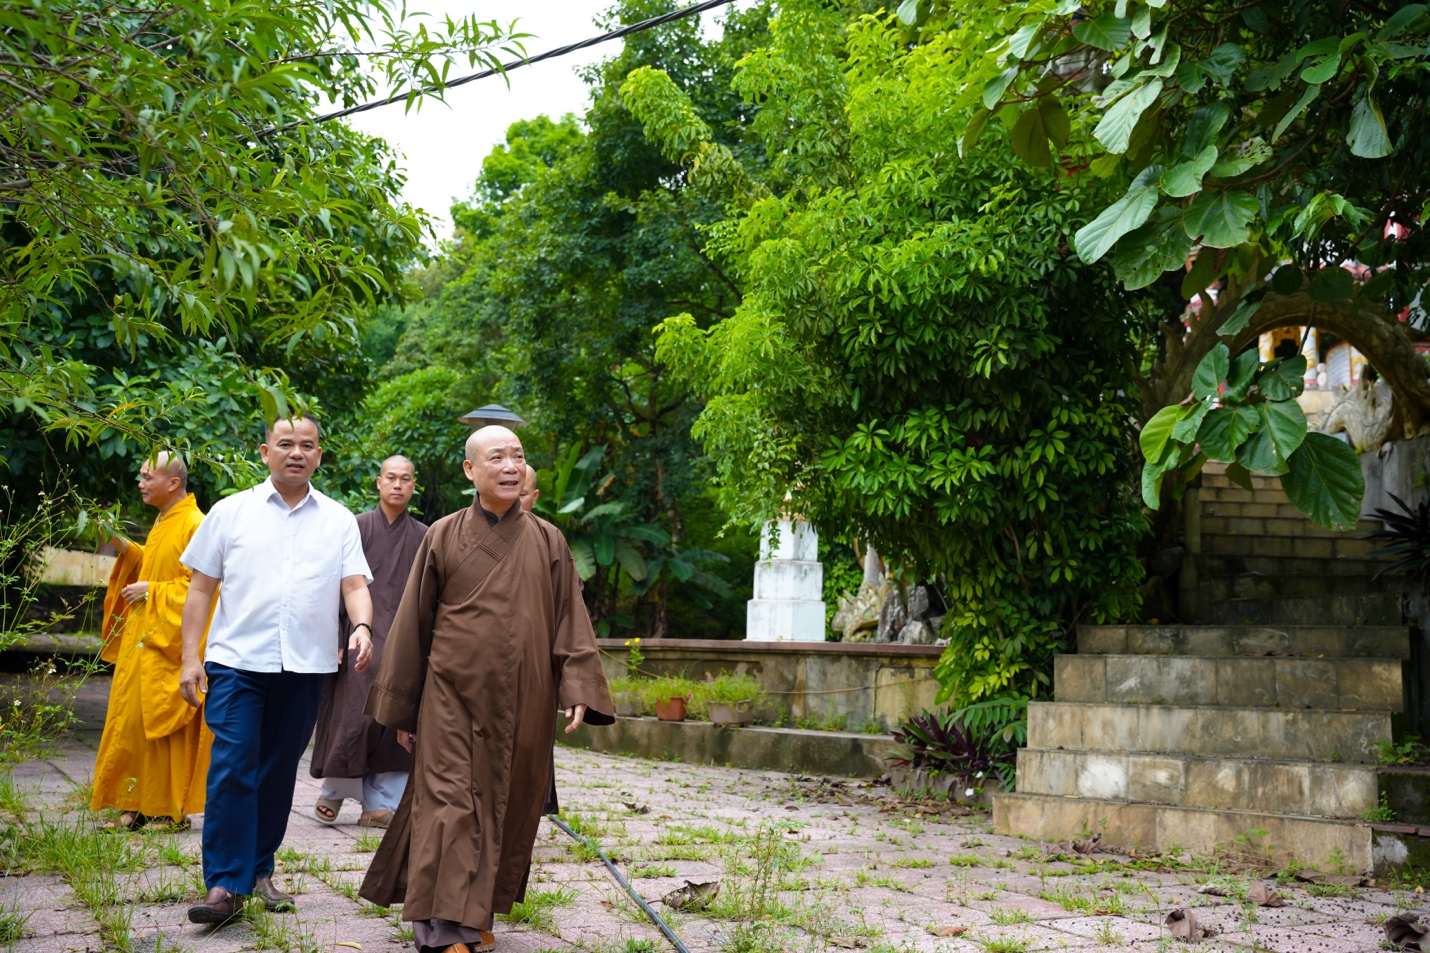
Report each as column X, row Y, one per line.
column 1271, row 142
column 165, row 179
column 917, row 358
column 577, row 243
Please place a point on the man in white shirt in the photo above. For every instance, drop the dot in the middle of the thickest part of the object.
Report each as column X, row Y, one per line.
column 285, row 555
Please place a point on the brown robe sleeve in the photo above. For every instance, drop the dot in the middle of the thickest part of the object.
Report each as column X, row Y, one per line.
column 575, row 660
column 396, row 693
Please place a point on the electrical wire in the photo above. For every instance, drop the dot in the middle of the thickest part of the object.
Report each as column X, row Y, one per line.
column 640, row 901
column 516, row 64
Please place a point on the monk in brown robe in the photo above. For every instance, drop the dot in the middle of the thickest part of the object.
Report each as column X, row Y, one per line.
column 357, row 758
column 490, row 640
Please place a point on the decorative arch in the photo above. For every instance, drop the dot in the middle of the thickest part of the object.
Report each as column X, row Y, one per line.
column 1380, row 336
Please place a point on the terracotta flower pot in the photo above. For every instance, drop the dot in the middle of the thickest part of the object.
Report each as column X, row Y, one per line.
column 671, row 709
column 733, row 713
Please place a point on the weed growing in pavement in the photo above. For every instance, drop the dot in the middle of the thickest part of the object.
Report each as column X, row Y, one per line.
column 1006, row 917
column 282, row 932
column 1107, row 934
column 12, row 799
column 919, row 863
column 373, row 910
column 964, row 860
column 12, row 924
column 37, row 710
column 651, row 871
column 1074, row 901
column 632, row 945
column 1001, row 944
column 366, row 843
column 535, row 910
column 291, row 859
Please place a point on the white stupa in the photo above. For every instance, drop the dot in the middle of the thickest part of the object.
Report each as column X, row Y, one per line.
column 789, row 585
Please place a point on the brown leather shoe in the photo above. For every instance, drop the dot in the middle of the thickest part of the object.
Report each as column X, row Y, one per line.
column 218, row 906
column 274, row 900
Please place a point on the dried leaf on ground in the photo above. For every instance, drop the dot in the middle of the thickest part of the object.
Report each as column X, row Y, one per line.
column 1406, row 933
column 1264, row 896
column 1215, row 890
column 692, row 896
column 1184, row 925
column 948, row 931
column 635, row 808
column 1087, row 846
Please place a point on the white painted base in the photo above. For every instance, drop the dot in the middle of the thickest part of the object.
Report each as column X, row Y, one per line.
column 784, row 620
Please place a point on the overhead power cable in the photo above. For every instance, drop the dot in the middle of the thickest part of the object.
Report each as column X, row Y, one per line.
column 674, row 15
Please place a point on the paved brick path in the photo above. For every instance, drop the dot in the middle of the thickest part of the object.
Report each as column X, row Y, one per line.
column 851, row 867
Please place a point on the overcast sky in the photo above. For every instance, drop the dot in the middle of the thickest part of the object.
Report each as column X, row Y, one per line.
column 443, row 146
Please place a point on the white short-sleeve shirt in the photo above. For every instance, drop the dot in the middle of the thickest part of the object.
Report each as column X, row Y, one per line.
column 280, row 574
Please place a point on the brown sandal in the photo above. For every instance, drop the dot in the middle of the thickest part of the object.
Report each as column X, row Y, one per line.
column 326, row 810
column 127, row 821
column 376, row 819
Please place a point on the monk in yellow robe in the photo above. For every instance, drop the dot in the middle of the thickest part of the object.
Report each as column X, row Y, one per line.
column 154, row 755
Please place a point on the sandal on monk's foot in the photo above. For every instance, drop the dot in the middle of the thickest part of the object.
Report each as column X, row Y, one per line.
column 326, row 810
column 375, row 819
column 489, row 943
column 127, row 821
column 167, row 825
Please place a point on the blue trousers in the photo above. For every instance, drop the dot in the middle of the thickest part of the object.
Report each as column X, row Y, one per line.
column 262, row 723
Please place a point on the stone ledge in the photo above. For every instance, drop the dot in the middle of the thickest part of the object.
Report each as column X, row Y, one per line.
column 834, row 753
column 736, row 646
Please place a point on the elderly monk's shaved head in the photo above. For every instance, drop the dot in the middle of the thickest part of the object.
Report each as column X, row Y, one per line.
column 163, row 480
column 396, row 458
column 529, row 493
column 172, row 465
column 496, row 465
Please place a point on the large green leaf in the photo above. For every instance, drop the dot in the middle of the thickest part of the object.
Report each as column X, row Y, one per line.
column 1039, row 125
column 1185, row 429
column 1249, row 155
column 631, row 561
column 1206, row 381
column 1240, row 317
column 1154, row 435
column 1203, row 126
column 1241, row 375
column 1225, row 429
column 1115, row 129
column 1282, row 428
column 1107, row 32
column 1152, row 474
column 1311, row 93
column 1129, row 212
column 584, row 559
column 1222, row 62
column 1149, row 252
column 1221, row 219
column 1331, row 283
column 603, row 547
column 1283, row 380
column 1186, row 178
column 1325, row 482
column 1367, row 137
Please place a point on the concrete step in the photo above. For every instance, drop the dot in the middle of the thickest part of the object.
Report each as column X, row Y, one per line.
column 1218, row 587
column 1294, row 787
column 1278, row 838
column 1377, row 609
column 1362, row 684
column 1209, row 731
column 1233, row 565
column 1312, row 547
column 1384, row 642
column 1235, row 494
column 1277, row 526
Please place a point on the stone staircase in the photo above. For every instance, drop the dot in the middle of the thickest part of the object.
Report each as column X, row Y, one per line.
column 1252, row 728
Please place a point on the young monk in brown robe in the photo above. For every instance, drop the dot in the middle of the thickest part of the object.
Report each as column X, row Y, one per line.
column 357, row 758
column 490, row 639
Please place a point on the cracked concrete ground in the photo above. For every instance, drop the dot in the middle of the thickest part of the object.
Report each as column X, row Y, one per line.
column 804, row 864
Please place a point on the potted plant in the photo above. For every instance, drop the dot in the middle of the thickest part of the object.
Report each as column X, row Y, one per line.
column 671, row 709
column 626, row 696
column 731, row 699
